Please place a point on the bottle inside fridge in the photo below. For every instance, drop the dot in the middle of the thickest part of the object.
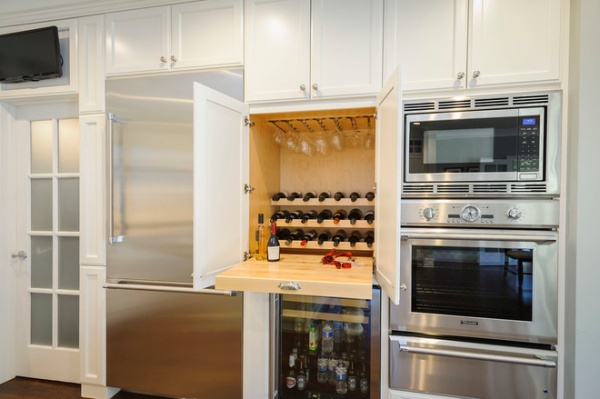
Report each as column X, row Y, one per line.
column 334, row 344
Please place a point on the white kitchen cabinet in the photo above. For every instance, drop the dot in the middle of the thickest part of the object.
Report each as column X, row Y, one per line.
column 303, row 49
column 205, row 34
column 458, row 44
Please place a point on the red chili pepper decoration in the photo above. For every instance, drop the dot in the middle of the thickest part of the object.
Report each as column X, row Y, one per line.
column 331, row 256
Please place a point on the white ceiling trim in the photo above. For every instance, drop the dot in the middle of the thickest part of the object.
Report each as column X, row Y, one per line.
column 74, row 10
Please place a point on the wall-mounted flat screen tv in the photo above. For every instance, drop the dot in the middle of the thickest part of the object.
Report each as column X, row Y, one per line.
column 29, row 56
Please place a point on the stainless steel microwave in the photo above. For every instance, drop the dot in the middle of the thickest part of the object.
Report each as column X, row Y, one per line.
column 501, row 146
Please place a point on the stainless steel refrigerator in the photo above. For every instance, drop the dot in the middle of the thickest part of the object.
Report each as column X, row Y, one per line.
column 163, row 338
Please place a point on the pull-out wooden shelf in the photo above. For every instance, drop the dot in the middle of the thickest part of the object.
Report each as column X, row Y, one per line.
column 300, row 275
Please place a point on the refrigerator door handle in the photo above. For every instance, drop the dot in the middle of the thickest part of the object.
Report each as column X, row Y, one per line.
column 167, row 288
column 533, row 361
column 110, row 174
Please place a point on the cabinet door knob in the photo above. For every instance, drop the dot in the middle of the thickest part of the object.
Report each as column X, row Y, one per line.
column 460, row 75
column 21, row 255
column 476, row 74
column 163, row 59
column 173, row 58
column 315, row 86
column 303, row 87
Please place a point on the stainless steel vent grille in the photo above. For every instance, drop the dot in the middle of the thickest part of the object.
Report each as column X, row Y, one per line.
column 492, row 102
column 528, row 188
column 537, row 99
column 454, row 104
column 418, row 189
column 472, row 103
column 490, row 188
column 479, row 189
column 427, row 106
column 453, row 188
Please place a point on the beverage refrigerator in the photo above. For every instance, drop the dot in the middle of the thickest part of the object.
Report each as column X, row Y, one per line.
column 326, row 347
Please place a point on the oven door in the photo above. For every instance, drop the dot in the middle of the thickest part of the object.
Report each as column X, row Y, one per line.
column 496, row 284
column 472, row 370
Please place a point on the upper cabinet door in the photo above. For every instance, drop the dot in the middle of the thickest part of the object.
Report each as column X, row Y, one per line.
column 514, row 41
column 207, row 33
column 347, row 49
column 277, row 40
column 388, row 175
column 429, row 39
column 221, row 167
column 138, row 40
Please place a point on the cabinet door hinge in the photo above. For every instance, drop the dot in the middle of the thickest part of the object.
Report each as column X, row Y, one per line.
column 248, row 122
column 248, row 188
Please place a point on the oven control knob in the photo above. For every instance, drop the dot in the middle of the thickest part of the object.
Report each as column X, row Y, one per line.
column 514, row 214
column 470, row 213
column 428, row 213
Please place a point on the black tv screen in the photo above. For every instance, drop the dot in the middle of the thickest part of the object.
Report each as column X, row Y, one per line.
column 30, row 55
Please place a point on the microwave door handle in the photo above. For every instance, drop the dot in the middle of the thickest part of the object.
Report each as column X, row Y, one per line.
column 537, row 238
column 539, row 362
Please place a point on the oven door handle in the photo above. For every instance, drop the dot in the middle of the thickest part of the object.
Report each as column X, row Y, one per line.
column 537, row 238
column 533, row 361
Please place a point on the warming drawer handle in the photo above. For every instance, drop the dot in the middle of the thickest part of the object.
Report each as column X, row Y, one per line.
column 289, row 286
column 162, row 288
column 540, row 239
column 478, row 356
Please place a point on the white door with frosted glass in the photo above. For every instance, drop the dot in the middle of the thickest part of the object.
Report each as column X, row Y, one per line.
column 48, row 239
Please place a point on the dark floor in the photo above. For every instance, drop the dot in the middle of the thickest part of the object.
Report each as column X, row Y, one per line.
column 26, row 388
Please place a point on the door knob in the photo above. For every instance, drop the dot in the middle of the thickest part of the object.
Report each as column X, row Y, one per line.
column 21, row 255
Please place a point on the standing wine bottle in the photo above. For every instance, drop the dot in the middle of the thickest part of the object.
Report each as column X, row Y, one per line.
column 261, row 238
column 355, row 237
column 369, row 238
column 279, row 215
column 309, row 195
column 311, row 235
column 273, row 245
column 354, row 196
column 370, row 196
column 294, row 215
column 279, row 195
column 295, row 235
column 308, row 215
column 340, row 214
column 324, row 236
column 293, row 195
column 325, row 214
column 324, row 195
column 369, row 216
column 339, row 195
column 354, row 215
column 339, row 237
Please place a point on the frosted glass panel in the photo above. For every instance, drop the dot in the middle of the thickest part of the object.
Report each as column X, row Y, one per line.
column 68, row 263
column 41, row 147
column 68, row 321
column 41, row 319
column 41, row 204
column 68, row 204
column 41, row 262
column 68, row 146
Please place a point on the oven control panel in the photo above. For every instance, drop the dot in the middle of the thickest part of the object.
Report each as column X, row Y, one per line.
column 542, row 213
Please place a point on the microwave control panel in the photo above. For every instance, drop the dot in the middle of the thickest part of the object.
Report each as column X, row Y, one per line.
column 480, row 213
column 528, row 145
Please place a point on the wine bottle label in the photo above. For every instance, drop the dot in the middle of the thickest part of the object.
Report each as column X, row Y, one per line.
column 272, row 254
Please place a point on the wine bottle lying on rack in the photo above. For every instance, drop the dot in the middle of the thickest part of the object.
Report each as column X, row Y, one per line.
column 308, row 216
column 324, row 236
column 370, row 196
column 354, row 215
column 311, row 235
column 309, row 195
column 369, row 238
column 354, row 196
column 294, row 215
column 279, row 195
column 369, row 216
column 355, row 237
column 339, row 195
column 283, row 234
column 295, row 235
column 279, row 215
column 293, row 195
column 340, row 214
column 325, row 214
column 324, row 195
column 338, row 237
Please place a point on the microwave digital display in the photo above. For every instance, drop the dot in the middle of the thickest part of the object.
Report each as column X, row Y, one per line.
column 529, row 121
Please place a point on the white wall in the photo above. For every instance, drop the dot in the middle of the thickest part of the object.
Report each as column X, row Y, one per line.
column 583, row 193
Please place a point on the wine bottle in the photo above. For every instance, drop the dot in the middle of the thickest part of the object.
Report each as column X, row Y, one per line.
column 293, row 195
column 301, row 379
column 295, row 235
column 355, row 237
column 279, row 215
column 369, row 238
column 294, row 215
column 324, row 195
column 308, row 215
column 369, row 216
column 290, row 379
column 283, row 234
column 339, row 195
column 311, row 235
column 324, row 236
column 370, row 196
column 279, row 195
column 325, row 214
column 339, row 237
column 354, row 196
column 354, row 215
column 261, row 238
column 340, row 214
column 309, row 195
column 273, row 245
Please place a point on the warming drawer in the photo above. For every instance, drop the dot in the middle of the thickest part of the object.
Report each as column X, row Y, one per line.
column 300, row 275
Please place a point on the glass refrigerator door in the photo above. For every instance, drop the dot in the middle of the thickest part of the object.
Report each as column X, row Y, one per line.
column 330, row 347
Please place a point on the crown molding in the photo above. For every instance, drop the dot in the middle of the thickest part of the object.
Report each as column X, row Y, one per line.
column 81, row 8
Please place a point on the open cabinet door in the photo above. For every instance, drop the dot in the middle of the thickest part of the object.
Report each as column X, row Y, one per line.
column 388, row 174
column 221, row 156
